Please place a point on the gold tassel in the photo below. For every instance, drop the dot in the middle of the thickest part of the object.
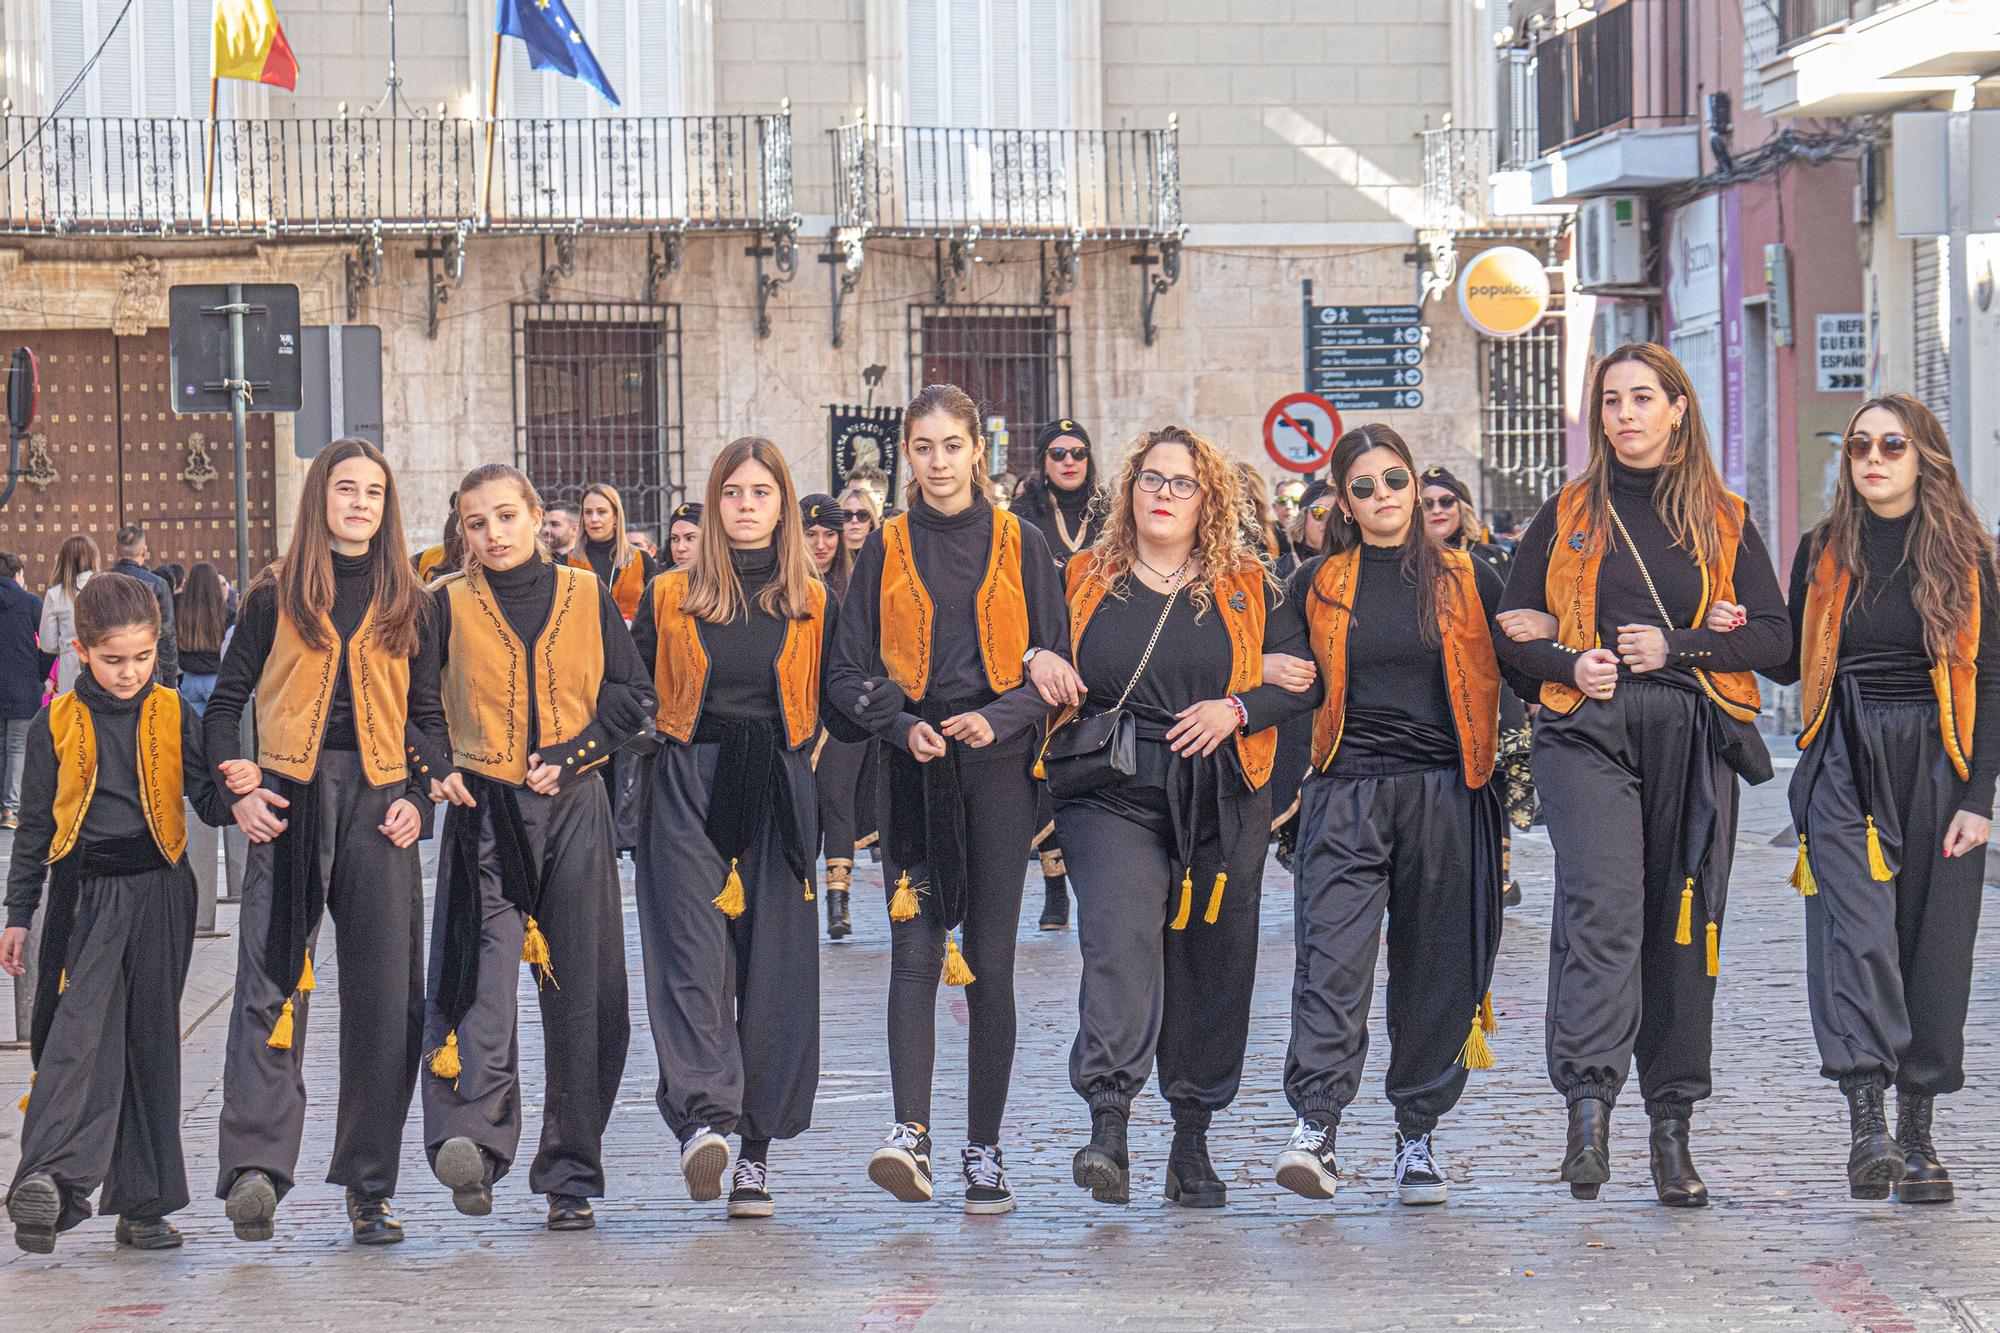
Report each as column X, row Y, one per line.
column 1475, row 1053
column 956, row 973
column 1041, row 773
column 1878, row 869
column 444, row 1060
column 1684, row 928
column 1802, row 875
column 306, row 974
column 1187, row 901
column 730, row 900
column 1214, row 911
column 809, row 888
column 62, row 982
column 535, row 952
column 903, row 905
column 29, row 1093
column 1486, row 1018
column 1714, row 950
column 281, row 1031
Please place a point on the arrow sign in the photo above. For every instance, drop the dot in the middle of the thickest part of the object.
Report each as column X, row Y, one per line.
column 1359, row 358
column 1299, row 431
column 1372, row 316
column 1396, row 377
column 1377, row 400
column 1364, row 335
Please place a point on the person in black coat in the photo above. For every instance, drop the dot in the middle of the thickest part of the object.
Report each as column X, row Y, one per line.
column 24, row 669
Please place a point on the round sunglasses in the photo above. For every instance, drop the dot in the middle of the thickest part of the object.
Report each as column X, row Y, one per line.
column 1396, row 479
column 1893, row 446
column 1442, row 503
column 1079, row 454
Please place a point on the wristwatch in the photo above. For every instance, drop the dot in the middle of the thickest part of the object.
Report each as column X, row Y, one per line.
column 1029, row 656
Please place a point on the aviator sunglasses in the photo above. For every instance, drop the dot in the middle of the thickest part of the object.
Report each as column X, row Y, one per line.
column 1396, row 479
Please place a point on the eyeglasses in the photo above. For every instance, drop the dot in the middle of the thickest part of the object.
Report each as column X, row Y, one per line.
column 1318, row 512
column 1079, row 454
column 1396, row 479
column 1181, row 488
column 1442, row 503
column 1894, row 446
column 855, row 516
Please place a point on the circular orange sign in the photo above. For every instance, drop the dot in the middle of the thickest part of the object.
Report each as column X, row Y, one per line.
column 1504, row 291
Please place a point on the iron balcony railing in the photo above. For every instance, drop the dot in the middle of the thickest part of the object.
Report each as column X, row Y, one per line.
column 1800, row 19
column 130, row 175
column 921, row 180
column 1458, row 194
column 1627, row 68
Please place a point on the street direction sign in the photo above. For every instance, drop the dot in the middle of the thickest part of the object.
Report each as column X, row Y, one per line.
column 1356, row 358
column 1299, row 432
column 1397, row 377
column 1365, row 335
column 1377, row 400
column 1368, row 316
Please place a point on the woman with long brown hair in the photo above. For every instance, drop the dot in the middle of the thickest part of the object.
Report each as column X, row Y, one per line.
column 736, row 642
column 1899, row 648
column 1397, row 818
column 1161, row 779
column 952, row 649
column 1646, row 722
column 201, row 621
column 337, row 643
column 605, row 551
column 76, row 563
column 541, row 684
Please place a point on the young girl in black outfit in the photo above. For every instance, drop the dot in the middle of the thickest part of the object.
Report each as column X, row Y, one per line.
column 837, row 765
column 1647, row 718
column 108, row 764
column 736, row 642
column 338, row 644
column 1893, row 607
column 952, row 648
column 541, row 684
column 1172, row 615
column 1397, row 817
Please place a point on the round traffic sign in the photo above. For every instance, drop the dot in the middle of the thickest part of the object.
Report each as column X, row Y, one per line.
column 1299, row 431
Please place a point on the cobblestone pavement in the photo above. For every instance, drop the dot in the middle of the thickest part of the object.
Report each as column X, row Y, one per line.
column 1782, row 1246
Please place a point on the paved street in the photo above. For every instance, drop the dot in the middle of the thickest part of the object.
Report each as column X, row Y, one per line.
column 1782, row 1247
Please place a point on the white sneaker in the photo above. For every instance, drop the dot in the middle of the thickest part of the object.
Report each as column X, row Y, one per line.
column 1306, row 1167
column 1418, row 1179
column 749, row 1190
column 704, row 1158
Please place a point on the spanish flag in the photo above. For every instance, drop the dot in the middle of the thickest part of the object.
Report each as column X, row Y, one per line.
column 250, row 45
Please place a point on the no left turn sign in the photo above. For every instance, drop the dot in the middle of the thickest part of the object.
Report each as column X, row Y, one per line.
column 1299, row 431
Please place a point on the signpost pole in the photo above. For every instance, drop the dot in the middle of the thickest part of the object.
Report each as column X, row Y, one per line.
column 239, row 407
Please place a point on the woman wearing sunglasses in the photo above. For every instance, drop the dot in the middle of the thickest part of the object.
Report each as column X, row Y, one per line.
column 1061, row 502
column 1645, row 714
column 1893, row 794
column 1163, row 804
column 1453, row 521
column 1396, row 818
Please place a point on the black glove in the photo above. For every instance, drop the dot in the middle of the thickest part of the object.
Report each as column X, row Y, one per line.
column 623, row 711
column 879, row 703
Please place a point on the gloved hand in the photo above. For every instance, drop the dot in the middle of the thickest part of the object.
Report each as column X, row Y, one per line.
column 879, row 703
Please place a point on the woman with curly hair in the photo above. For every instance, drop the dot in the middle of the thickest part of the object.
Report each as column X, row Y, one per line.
column 1160, row 780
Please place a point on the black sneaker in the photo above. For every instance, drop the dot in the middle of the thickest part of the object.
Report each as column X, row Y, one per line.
column 704, row 1158
column 35, row 1206
column 986, row 1191
column 750, row 1190
column 464, row 1168
column 902, row 1166
column 1418, row 1180
column 146, row 1233
column 1307, row 1167
column 252, row 1203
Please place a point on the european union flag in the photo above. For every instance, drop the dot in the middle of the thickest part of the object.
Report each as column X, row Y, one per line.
column 553, row 40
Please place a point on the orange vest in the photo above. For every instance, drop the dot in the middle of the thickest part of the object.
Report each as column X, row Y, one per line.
column 628, row 585
column 75, row 735
column 429, row 561
column 295, row 695
column 680, row 663
column 1819, row 660
column 1000, row 609
column 1240, row 600
column 485, row 676
column 1571, row 594
column 1471, row 671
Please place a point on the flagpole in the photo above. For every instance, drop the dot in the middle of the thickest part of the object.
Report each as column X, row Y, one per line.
column 492, row 114
column 208, row 177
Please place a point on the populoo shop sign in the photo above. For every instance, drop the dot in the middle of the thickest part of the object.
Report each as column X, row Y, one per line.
column 1504, row 291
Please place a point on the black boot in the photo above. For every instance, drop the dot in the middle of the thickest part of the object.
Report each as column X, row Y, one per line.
column 1874, row 1161
column 1674, row 1176
column 1924, row 1178
column 839, row 875
column 1191, row 1178
column 373, row 1220
column 1055, row 899
column 1587, row 1155
column 1102, row 1165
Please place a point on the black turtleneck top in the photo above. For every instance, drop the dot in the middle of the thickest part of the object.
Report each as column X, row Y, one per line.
column 1063, row 517
column 951, row 552
column 1763, row 640
column 115, row 811
column 742, row 652
column 250, row 647
column 525, row 595
column 599, row 556
column 1882, row 644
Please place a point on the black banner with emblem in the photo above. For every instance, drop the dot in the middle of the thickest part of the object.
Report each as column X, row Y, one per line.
column 863, row 438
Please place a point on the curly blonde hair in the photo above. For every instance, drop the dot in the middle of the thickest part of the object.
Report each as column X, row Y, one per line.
column 1219, row 548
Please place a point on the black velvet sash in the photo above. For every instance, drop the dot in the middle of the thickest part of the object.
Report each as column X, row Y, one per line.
column 926, row 831
column 520, row 884
column 298, row 894
column 124, row 857
column 752, row 785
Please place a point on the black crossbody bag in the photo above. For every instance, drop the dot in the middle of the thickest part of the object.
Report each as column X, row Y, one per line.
column 1095, row 751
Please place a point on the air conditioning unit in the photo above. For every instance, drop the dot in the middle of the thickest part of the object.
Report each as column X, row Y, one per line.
column 1619, row 322
column 1610, row 242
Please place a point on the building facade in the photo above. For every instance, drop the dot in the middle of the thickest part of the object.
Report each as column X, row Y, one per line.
column 1101, row 209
